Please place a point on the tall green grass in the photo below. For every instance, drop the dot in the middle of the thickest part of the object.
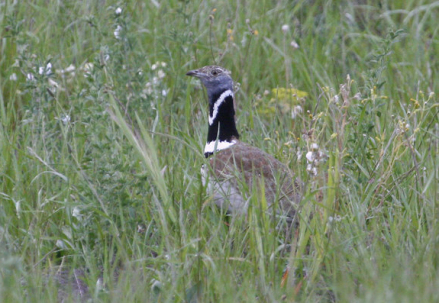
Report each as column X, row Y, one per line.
column 101, row 138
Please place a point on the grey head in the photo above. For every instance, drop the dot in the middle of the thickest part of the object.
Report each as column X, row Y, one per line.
column 215, row 78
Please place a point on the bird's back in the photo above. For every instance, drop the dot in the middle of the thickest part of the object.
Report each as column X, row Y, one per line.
column 248, row 166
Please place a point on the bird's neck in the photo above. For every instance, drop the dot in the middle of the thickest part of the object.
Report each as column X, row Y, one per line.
column 222, row 131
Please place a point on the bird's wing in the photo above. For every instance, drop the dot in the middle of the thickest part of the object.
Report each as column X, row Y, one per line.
column 251, row 164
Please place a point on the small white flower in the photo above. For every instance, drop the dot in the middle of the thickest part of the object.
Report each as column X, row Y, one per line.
column 148, row 89
column 154, row 66
column 88, row 67
column 29, row 77
column 117, row 31
column 13, row 77
column 164, row 93
column 76, row 212
column 45, row 70
column 296, row 111
column 294, row 44
column 163, row 64
column 314, row 146
column 65, row 119
column 161, row 74
column 118, row 11
column 285, row 28
column 310, row 156
column 69, row 69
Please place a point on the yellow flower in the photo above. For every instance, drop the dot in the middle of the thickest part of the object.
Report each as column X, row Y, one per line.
column 284, row 99
column 288, row 94
column 255, row 32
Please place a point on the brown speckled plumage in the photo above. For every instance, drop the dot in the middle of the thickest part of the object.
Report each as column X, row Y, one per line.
column 243, row 162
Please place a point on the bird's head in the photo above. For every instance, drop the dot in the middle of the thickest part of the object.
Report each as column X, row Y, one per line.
column 215, row 78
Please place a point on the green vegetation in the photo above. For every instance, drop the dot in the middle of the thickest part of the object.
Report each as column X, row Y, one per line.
column 101, row 137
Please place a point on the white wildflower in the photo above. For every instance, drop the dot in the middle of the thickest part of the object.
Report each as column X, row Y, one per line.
column 314, row 146
column 310, row 156
column 88, row 67
column 164, row 93
column 30, row 77
column 154, row 66
column 163, row 64
column 285, row 28
column 148, row 90
column 118, row 11
column 76, row 211
column 13, row 77
column 296, row 111
column 65, row 119
column 294, row 44
column 69, row 69
column 45, row 70
column 161, row 74
column 117, row 31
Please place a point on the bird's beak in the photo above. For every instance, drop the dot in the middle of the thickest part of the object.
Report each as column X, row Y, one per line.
column 195, row 73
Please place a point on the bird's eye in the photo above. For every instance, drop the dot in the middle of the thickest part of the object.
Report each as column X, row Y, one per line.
column 215, row 72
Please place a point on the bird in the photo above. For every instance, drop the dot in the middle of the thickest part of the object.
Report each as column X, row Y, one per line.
column 233, row 165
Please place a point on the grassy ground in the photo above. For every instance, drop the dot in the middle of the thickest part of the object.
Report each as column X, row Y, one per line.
column 83, row 196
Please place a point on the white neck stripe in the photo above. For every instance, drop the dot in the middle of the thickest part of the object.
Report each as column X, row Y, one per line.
column 220, row 145
column 217, row 104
